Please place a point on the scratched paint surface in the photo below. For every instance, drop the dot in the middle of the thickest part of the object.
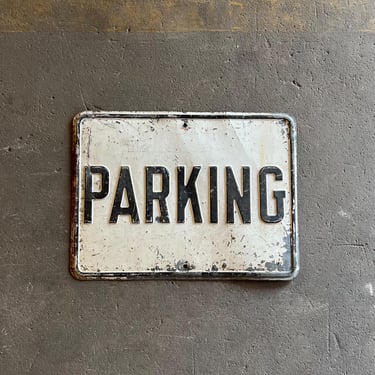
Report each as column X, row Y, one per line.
column 171, row 142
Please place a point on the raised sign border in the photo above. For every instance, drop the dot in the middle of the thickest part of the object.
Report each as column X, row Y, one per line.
column 187, row 275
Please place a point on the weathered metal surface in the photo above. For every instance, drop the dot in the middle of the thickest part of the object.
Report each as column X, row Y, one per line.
column 191, row 195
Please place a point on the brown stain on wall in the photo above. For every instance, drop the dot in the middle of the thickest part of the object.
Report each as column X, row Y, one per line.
column 166, row 16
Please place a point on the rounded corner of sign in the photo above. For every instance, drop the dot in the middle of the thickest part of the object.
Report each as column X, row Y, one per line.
column 77, row 119
column 295, row 273
column 292, row 274
column 290, row 119
column 76, row 273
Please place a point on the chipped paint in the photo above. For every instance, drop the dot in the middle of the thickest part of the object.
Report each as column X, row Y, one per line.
column 188, row 249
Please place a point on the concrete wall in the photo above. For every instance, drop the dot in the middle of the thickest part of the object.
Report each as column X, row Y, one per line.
column 313, row 60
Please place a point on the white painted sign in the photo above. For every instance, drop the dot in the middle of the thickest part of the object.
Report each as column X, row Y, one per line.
column 184, row 195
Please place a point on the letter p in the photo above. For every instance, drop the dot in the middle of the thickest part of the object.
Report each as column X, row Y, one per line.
column 89, row 194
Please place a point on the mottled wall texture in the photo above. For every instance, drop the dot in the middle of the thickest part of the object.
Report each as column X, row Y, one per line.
column 313, row 60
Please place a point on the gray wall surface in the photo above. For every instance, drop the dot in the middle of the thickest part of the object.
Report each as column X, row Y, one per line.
column 320, row 71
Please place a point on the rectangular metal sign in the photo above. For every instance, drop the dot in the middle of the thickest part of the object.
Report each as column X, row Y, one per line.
column 184, row 195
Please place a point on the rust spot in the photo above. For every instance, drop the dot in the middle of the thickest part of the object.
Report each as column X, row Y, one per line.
column 73, row 212
column 184, row 265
